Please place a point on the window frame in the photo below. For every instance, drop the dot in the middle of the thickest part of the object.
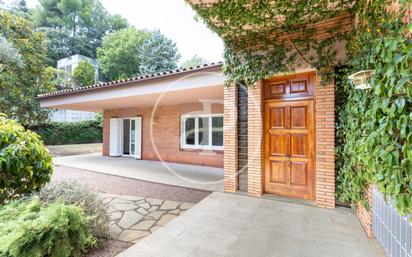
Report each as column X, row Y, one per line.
column 196, row 146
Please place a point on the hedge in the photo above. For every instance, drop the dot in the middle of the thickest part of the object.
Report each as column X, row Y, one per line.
column 64, row 133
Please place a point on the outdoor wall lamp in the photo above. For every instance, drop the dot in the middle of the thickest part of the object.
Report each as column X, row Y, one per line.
column 360, row 79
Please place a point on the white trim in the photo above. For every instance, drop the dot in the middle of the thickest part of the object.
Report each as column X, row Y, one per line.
column 116, row 137
column 183, row 144
column 138, row 135
column 147, row 88
column 138, row 138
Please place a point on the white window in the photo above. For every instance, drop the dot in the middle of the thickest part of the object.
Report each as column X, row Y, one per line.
column 202, row 131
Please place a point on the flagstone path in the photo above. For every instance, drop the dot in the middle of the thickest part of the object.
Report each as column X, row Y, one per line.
column 134, row 217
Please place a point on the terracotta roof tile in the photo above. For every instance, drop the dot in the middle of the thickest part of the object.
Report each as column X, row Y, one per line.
column 159, row 75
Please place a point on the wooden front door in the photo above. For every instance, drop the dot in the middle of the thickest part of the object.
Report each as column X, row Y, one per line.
column 289, row 147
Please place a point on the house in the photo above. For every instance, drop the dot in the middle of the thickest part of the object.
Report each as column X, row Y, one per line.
column 67, row 65
column 181, row 116
column 174, row 116
column 278, row 134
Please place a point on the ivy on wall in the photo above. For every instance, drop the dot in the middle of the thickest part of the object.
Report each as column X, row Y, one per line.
column 374, row 128
column 267, row 37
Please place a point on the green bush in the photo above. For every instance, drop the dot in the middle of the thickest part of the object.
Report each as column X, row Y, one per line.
column 84, row 73
column 75, row 194
column 64, row 133
column 25, row 164
column 29, row 228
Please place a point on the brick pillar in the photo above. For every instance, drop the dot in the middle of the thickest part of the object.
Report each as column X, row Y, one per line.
column 230, row 139
column 106, row 133
column 364, row 215
column 255, row 140
column 325, row 144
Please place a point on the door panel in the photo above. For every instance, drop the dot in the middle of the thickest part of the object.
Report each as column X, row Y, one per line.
column 298, row 117
column 290, row 87
column 298, row 145
column 278, row 172
column 278, row 116
column 299, row 173
column 289, row 148
column 279, row 145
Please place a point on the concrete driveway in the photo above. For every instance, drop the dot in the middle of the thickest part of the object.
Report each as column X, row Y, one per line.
column 235, row 225
column 183, row 175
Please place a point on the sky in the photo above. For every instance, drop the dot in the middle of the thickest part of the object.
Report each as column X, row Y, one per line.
column 174, row 18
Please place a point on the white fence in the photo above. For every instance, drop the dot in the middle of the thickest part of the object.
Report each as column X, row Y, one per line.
column 393, row 232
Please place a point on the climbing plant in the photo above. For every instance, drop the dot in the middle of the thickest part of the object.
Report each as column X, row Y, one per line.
column 374, row 128
column 267, row 37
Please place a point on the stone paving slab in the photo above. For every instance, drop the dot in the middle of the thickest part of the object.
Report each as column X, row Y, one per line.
column 133, row 217
column 231, row 225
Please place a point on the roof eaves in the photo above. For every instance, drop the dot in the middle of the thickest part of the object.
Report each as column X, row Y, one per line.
column 141, row 78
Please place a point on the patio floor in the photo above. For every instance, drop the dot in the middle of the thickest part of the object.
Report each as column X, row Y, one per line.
column 183, row 175
column 235, row 225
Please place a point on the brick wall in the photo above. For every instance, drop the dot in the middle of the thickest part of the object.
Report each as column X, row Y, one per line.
column 255, row 138
column 325, row 144
column 230, row 139
column 365, row 216
column 166, row 134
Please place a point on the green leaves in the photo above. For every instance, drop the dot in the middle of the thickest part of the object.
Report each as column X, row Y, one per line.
column 29, row 228
column 85, row 74
column 25, row 164
column 61, row 133
column 375, row 143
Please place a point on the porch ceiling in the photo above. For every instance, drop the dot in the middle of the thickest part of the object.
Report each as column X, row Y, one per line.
column 166, row 92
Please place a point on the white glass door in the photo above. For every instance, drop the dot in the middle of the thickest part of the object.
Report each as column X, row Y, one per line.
column 132, row 137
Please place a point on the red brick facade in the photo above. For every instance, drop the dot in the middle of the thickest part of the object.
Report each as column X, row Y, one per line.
column 324, row 141
column 364, row 215
column 255, row 140
column 325, row 144
column 166, row 134
column 230, row 139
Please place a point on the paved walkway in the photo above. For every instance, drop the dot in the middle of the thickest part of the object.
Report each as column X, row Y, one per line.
column 134, row 217
column 183, row 175
column 234, row 225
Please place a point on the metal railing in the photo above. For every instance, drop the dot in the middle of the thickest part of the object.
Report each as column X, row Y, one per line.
column 393, row 232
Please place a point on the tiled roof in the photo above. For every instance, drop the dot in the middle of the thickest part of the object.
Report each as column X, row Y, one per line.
column 122, row 82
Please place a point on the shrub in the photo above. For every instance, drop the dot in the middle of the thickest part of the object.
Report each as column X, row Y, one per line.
column 76, row 194
column 63, row 133
column 29, row 228
column 25, row 164
column 84, row 73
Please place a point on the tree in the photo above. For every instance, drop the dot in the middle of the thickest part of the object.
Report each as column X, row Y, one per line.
column 74, row 26
column 9, row 55
column 194, row 61
column 20, row 7
column 20, row 84
column 158, row 53
column 133, row 52
column 84, row 74
column 118, row 56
